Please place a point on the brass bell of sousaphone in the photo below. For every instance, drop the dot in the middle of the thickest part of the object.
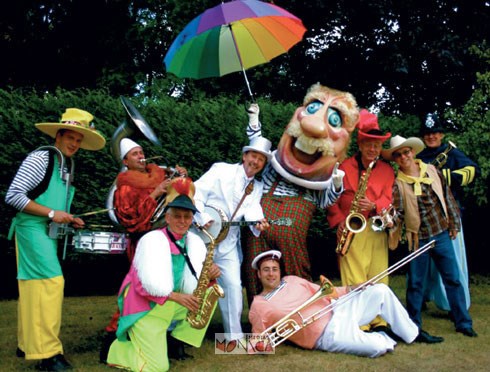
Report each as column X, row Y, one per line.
column 134, row 125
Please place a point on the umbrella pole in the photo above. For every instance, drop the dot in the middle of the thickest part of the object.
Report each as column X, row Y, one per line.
column 248, row 85
column 241, row 64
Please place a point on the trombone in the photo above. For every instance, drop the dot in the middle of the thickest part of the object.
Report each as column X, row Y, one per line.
column 287, row 326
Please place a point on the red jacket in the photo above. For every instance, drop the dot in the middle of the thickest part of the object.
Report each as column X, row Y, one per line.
column 379, row 189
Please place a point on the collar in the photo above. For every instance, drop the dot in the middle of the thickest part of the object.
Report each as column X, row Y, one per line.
column 313, row 185
column 416, row 181
column 272, row 293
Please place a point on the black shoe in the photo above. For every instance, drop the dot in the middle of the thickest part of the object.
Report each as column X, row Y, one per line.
column 56, row 363
column 106, row 344
column 470, row 332
column 387, row 330
column 176, row 349
column 20, row 353
column 427, row 338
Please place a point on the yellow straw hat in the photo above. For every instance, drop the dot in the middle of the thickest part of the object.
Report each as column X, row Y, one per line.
column 79, row 121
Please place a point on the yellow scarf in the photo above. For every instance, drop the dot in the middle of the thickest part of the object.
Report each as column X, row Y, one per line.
column 417, row 188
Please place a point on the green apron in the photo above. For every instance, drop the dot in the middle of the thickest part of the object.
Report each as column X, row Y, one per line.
column 36, row 252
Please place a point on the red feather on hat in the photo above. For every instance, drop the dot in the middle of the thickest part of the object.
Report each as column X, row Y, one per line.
column 182, row 185
column 367, row 121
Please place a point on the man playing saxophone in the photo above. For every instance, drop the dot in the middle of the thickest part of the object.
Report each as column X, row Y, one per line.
column 367, row 189
column 337, row 331
column 157, row 293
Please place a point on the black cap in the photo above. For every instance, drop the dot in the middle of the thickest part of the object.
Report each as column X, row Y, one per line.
column 432, row 124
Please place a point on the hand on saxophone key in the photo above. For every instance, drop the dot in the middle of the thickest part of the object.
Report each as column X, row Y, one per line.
column 214, row 272
column 189, row 301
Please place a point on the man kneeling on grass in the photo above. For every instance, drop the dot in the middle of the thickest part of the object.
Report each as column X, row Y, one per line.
column 156, row 294
column 338, row 331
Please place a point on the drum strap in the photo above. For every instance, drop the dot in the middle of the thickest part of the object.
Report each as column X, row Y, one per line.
column 183, row 252
column 248, row 191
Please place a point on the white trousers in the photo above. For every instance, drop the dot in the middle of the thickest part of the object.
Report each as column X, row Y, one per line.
column 231, row 305
column 342, row 333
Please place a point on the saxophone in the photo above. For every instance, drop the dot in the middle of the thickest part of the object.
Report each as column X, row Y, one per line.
column 207, row 298
column 355, row 221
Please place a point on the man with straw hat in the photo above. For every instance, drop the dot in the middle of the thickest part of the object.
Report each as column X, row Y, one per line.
column 42, row 193
column 156, row 294
column 426, row 206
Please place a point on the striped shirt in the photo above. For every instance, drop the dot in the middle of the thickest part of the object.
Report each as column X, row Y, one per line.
column 322, row 198
column 30, row 174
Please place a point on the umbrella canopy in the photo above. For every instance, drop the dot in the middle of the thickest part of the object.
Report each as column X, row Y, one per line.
column 233, row 36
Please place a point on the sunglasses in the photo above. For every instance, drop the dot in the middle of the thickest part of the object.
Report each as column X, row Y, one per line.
column 397, row 155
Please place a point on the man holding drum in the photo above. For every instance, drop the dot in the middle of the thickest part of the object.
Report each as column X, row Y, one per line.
column 42, row 193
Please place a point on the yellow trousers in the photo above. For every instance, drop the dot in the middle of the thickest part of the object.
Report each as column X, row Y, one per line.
column 39, row 317
column 367, row 257
column 147, row 348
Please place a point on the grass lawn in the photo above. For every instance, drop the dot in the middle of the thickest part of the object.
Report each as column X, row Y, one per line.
column 85, row 317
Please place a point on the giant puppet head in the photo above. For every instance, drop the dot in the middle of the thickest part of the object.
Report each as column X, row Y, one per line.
column 317, row 136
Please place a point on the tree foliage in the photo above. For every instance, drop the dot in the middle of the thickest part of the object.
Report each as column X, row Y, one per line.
column 404, row 56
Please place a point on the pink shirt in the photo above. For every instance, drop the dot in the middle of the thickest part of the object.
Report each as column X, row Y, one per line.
column 295, row 293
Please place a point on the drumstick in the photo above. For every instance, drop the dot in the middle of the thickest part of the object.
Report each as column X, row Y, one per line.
column 93, row 212
column 99, row 226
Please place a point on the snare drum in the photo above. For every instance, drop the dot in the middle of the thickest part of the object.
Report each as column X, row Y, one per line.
column 100, row 242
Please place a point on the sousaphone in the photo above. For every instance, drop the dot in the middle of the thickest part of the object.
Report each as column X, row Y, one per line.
column 135, row 126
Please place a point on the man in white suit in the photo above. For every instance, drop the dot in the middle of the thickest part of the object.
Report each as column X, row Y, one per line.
column 224, row 187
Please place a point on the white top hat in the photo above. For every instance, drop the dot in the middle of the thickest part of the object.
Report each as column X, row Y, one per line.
column 261, row 145
column 126, row 146
column 271, row 255
column 398, row 142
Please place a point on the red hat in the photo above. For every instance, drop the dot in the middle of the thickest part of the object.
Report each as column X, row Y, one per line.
column 369, row 128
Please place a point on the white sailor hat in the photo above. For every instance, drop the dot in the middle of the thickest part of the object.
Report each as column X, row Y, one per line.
column 268, row 255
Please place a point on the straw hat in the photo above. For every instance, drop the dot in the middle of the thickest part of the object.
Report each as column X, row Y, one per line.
column 78, row 121
column 399, row 142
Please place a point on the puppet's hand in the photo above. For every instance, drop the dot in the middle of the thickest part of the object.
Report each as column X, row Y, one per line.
column 337, row 177
column 253, row 116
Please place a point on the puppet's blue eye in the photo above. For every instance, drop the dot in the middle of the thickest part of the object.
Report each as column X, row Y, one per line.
column 334, row 118
column 314, row 107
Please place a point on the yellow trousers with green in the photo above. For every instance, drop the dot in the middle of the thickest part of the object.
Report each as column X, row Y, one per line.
column 39, row 317
column 366, row 258
column 147, row 348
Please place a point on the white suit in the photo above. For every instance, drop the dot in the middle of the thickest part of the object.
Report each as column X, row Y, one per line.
column 222, row 186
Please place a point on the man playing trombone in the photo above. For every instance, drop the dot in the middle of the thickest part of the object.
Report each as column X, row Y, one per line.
column 337, row 331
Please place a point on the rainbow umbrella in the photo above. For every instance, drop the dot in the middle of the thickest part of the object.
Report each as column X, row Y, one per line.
column 233, row 36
